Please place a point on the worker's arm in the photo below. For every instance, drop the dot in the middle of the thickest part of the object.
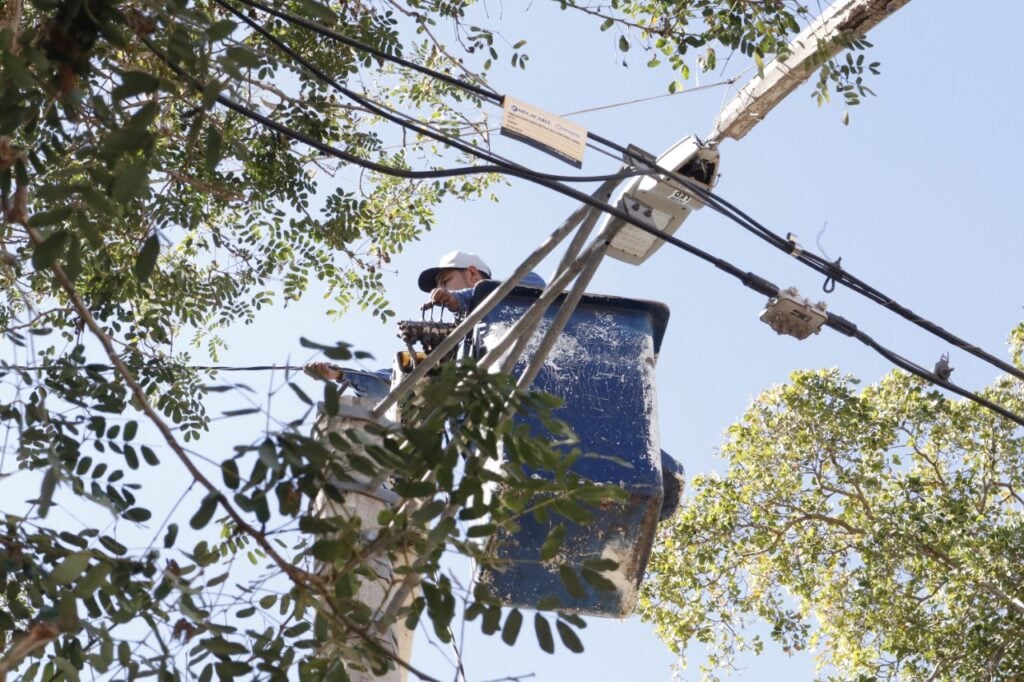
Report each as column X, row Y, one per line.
column 323, row 370
column 452, row 300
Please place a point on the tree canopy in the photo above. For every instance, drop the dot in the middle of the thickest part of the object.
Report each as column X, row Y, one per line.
column 168, row 169
column 878, row 527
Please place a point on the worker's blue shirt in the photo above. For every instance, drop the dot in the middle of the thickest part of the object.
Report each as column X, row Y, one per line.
column 464, row 296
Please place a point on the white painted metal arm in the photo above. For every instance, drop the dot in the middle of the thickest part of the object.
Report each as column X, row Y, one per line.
column 764, row 92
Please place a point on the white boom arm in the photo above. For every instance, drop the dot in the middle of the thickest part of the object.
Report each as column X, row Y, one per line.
column 763, row 93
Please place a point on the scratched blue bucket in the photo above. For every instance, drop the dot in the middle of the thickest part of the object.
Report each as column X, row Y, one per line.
column 603, row 367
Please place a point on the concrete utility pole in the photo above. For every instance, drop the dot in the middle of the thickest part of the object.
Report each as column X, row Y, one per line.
column 365, row 498
column 853, row 18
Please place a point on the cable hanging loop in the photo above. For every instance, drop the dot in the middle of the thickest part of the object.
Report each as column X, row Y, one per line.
column 835, row 269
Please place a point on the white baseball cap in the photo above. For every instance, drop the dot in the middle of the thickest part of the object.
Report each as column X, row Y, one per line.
column 456, row 260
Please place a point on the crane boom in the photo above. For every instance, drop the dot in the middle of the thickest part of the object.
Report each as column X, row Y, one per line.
column 779, row 78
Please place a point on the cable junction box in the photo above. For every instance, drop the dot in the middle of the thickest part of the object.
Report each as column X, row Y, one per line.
column 791, row 314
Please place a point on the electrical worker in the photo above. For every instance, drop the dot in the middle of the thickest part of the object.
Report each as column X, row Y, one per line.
column 451, row 282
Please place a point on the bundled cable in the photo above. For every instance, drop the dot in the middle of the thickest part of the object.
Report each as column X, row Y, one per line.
column 498, row 165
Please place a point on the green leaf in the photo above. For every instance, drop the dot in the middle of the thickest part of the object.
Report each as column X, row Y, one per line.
column 50, row 217
column 47, row 253
column 220, row 30
column 243, row 56
column 572, row 511
column 268, row 455
column 330, row 550
column 598, row 580
column 231, row 669
column 213, row 149
column 601, row 564
column 171, row 535
column 67, row 610
column 135, row 83
column 571, row 582
column 300, row 393
column 623, row 44
column 93, row 579
column 513, row 623
column 482, row 530
column 73, row 259
column 223, row 647
column 211, row 92
column 205, row 512
column 113, row 545
column 241, row 412
column 491, row 621
column 543, row 630
column 131, row 182
column 229, row 470
column 124, row 140
column 146, row 260
column 569, row 638
column 138, row 514
column 48, row 487
column 410, row 489
column 332, row 403
column 149, row 456
column 69, row 569
column 16, row 70
column 552, row 543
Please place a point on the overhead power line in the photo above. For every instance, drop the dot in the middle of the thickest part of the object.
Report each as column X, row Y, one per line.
column 405, row 120
column 832, row 270
column 748, row 279
column 99, row 367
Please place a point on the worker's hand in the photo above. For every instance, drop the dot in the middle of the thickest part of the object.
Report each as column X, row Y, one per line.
column 442, row 297
column 322, row 370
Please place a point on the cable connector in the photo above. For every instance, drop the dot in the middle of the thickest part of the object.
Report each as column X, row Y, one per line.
column 791, row 314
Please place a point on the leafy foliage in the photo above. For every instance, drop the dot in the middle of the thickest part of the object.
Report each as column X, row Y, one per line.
column 881, row 529
column 690, row 34
column 89, row 583
column 138, row 209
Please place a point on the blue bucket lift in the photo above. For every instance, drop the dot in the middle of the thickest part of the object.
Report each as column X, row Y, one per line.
column 603, row 367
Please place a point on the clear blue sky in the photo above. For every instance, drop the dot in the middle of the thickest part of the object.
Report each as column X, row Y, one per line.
column 921, row 196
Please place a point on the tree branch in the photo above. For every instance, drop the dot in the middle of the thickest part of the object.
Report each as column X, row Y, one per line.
column 302, row 579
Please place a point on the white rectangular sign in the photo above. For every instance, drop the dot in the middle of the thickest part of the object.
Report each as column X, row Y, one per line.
column 545, row 131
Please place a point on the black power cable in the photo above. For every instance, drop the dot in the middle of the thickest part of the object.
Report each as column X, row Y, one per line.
column 846, row 327
column 407, row 121
column 748, row 279
column 107, row 368
column 830, row 269
column 325, row 32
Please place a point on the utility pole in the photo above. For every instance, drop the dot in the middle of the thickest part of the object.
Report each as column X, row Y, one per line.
column 365, row 498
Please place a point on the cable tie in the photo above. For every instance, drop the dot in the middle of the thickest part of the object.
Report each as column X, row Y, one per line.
column 795, row 250
column 830, row 282
column 637, row 156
